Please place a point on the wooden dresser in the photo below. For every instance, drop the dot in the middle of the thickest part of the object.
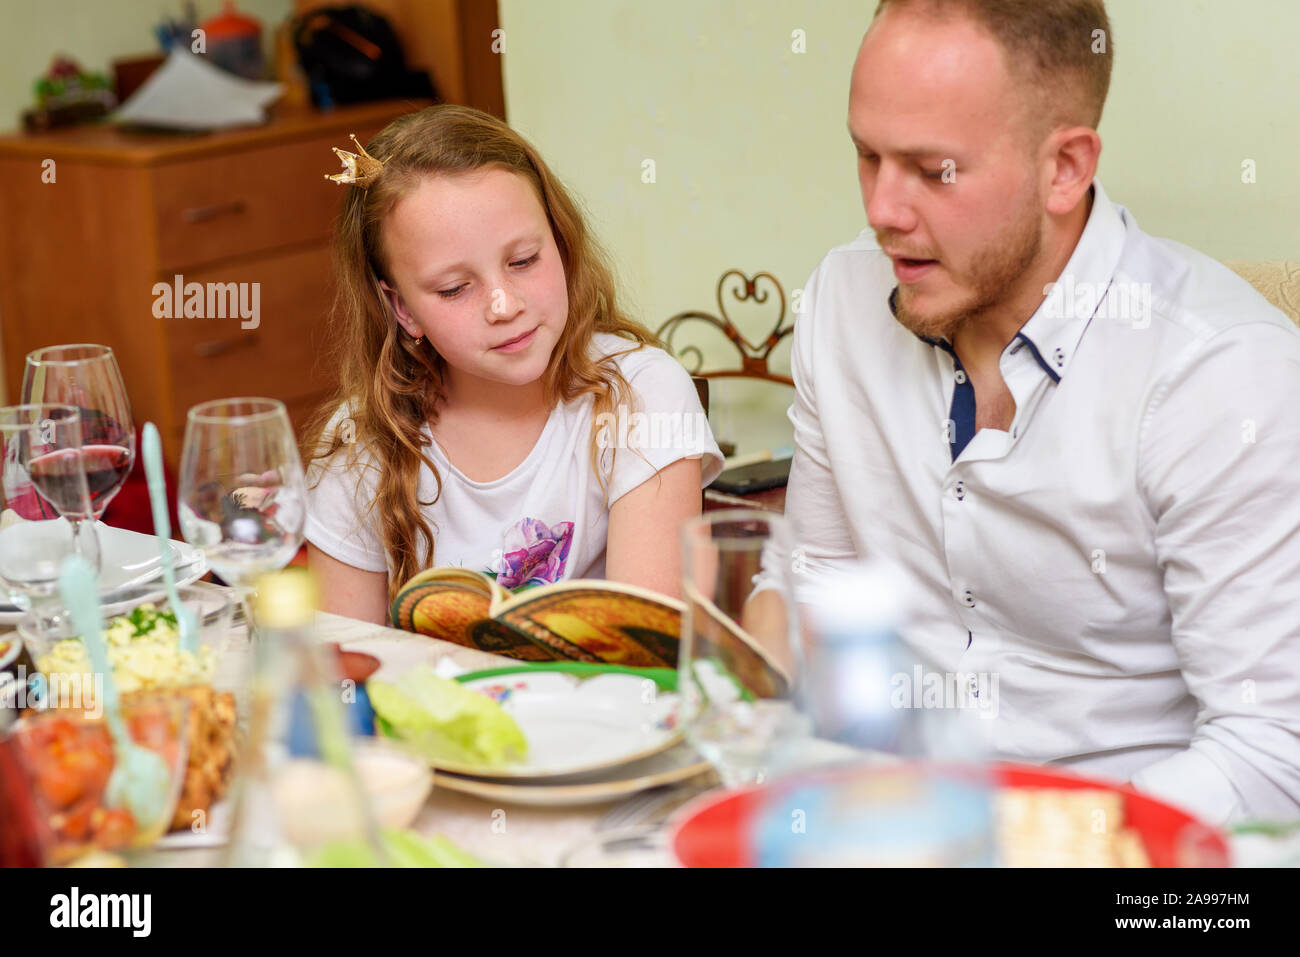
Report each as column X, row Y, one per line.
column 80, row 256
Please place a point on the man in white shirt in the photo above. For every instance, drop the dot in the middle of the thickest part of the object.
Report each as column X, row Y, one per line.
column 1082, row 442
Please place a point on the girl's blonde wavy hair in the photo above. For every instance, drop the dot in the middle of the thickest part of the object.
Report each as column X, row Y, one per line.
column 392, row 385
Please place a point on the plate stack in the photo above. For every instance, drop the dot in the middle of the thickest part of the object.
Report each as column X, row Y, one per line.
column 594, row 734
column 131, row 571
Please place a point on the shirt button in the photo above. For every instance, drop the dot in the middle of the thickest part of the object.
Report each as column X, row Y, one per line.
column 959, row 491
column 969, row 599
column 961, row 377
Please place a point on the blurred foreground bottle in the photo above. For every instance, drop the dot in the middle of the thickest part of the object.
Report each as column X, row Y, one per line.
column 855, row 652
column 867, row 689
column 293, row 810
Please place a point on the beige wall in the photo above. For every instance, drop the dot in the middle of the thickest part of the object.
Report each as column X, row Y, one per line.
column 754, row 169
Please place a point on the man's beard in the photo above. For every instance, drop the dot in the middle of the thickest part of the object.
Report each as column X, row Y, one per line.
column 992, row 273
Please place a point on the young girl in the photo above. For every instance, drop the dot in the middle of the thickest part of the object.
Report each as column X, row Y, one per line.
column 482, row 360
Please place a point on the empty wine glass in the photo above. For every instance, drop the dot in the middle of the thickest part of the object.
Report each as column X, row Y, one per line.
column 242, row 497
column 740, row 660
column 41, row 478
column 86, row 377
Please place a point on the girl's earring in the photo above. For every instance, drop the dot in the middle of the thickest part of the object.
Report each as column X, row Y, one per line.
column 419, row 340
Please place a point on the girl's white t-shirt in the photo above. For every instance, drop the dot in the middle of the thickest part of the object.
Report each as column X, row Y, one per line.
column 547, row 520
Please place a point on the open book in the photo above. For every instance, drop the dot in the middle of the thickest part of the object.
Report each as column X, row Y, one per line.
column 579, row 620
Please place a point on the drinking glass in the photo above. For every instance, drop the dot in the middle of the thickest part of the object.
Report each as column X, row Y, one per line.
column 86, row 376
column 41, row 479
column 241, row 496
column 740, row 660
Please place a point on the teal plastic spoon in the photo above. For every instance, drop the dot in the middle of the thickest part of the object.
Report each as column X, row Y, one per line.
column 187, row 622
column 140, row 781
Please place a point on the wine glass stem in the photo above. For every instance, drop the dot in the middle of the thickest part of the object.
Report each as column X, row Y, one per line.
column 86, row 540
column 48, row 618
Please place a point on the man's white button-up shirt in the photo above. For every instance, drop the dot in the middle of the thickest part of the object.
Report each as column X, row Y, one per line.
column 1126, row 558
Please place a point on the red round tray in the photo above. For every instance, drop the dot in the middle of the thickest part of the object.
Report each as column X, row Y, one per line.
column 713, row 831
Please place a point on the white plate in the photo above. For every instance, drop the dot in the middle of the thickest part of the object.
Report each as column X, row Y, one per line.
column 129, row 559
column 674, row 766
column 668, row 767
column 574, row 726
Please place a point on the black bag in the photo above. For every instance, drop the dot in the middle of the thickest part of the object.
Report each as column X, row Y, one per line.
column 352, row 55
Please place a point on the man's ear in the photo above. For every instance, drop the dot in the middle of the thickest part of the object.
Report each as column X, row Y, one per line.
column 1075, row 153
column 400, row 311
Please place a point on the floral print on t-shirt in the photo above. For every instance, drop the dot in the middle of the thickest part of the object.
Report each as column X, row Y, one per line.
column 533, row 553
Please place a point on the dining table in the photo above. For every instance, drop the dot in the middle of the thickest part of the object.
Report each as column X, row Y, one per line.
column 497, row 834
column 507, row 834
column 511, row 835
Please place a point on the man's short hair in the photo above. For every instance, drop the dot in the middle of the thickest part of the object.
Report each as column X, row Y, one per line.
column 1058, row 51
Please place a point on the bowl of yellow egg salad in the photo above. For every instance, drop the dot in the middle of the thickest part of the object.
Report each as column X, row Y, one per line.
column 144, row 645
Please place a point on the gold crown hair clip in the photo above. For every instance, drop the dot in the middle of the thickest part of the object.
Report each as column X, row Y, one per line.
column 359, row 169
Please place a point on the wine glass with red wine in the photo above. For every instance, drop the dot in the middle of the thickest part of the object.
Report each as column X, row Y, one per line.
column 40, row 481
column 86, row 377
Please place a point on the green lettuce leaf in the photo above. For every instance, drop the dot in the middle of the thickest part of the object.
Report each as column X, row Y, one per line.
column 408, row 849
column 444, row 720
column 404, row 849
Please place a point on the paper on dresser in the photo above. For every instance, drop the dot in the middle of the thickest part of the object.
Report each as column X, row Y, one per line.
column 188, row 93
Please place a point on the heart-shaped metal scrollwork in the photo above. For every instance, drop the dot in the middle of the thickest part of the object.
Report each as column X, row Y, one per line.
column 753, row 358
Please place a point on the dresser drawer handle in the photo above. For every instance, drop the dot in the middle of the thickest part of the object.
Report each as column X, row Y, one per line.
column 199, row 214
column 219, row 347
